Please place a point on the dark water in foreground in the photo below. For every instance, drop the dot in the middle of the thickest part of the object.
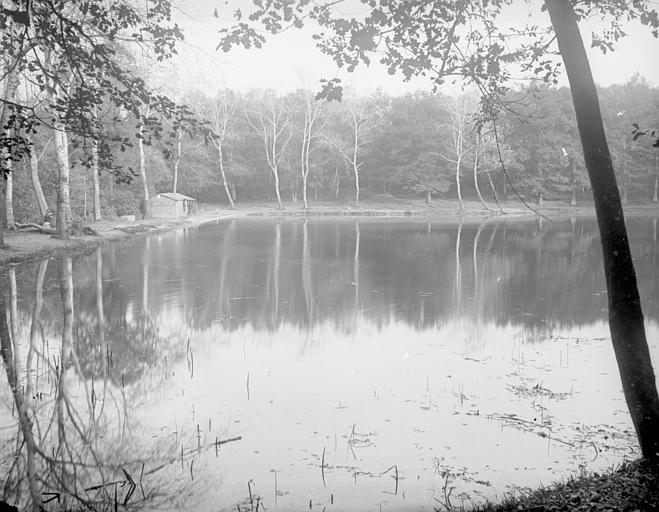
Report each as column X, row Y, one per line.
column 323, row 364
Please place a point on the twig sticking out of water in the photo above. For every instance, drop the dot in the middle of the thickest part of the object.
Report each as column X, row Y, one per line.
column 395, row 468
column 216, row 444
column 190, row 359
column 322, row 467
column 141, row 486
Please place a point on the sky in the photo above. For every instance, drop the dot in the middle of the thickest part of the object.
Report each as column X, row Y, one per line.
column 290, row 60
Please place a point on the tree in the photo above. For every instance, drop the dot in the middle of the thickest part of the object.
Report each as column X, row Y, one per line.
column 11, row 85
column 541, row 130
column 461, row 112
column 625, row 312
column 70, row 51
column 360, row 116
column 222, row 122
column 36, row 181
column 409, row 143
column 623, row 105
column 270, row 120
column 463, row 38
column 311, row 111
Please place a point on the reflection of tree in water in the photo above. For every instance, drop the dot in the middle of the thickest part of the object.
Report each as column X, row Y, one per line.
column 69, row 446
column 119, row 348
column 244, row 272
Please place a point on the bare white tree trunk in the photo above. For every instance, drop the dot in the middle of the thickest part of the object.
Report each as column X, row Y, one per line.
column 96, row 181
column 224, row 177
column 11, row 86
column 9, row 198
column 144, row 111
column 363, row 117
column 459, row 111
column 311, row 111
column 457, row 181
column 36, row 185
column 271, row 128
column 476, row 156
column 222, row 123
column 64, row 217
column 274, row 167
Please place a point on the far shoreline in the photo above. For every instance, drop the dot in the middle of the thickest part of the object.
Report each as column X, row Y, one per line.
column 26, row 246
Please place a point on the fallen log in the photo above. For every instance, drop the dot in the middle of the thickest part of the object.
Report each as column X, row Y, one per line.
column 38, row 227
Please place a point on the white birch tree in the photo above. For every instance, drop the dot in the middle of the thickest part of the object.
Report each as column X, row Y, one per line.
column 223, row 120
column 271, row 120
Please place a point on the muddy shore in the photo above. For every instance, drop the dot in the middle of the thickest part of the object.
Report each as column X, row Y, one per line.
column 29, row 245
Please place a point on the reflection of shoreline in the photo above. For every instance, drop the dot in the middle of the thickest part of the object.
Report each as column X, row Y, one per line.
column 303, row 272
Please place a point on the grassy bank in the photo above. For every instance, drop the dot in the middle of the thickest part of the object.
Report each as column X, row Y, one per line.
column 32, row 245
column 634, row 486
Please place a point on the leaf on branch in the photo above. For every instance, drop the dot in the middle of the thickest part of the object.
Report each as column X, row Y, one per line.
column 330, row 90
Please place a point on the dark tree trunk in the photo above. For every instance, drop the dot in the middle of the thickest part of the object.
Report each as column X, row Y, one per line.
column 625, row 314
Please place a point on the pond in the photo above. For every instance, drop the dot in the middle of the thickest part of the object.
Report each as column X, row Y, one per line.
column 270, row 364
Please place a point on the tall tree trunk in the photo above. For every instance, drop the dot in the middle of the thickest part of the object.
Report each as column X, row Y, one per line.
column 146, row 210
column 505, row 187
column 10, row 223
column 457, row 181
column 64, row 217
column 85, row 212
column 96, row 181
column 355, row 165
column 36, row 185
column 224, row 176
column 355, row 169
column 303, row 161
column 304, row 191
column 625, row 313
column 275, row 174
column 11, row 86
column 478, row 190
column 494, row 192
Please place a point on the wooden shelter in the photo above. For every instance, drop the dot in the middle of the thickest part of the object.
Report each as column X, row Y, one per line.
column 172, row 205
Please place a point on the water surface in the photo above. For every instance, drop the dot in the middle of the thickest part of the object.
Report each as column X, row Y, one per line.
column 323, row 364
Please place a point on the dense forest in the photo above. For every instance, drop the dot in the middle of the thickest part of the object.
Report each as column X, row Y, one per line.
column 261, row 146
